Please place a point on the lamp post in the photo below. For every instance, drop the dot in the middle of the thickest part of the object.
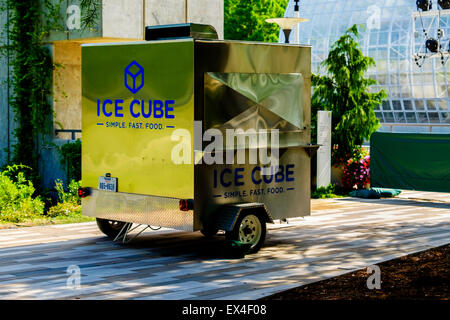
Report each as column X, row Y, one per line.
column 286, row 24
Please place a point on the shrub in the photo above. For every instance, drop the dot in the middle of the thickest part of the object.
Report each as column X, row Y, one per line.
column 68, row 201
column 64, row 209
column 16, row 196
column 72, row 193
column 357, row 171
column 326, row 192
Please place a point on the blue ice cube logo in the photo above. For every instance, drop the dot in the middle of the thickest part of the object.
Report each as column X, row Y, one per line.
column 134, row 77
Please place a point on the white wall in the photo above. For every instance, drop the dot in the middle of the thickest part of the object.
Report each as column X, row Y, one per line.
column 165, row 12
column 124, row 18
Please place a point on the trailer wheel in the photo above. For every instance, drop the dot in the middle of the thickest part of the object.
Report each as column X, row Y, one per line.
column 249, row 228
column 110, row 228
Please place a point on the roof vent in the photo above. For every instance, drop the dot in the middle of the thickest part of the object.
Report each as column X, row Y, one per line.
column 180, row 31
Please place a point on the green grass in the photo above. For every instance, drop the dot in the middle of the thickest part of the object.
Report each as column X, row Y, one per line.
column 42, row 221
column 71, row 219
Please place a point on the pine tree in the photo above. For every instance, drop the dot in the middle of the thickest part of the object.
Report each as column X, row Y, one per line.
column 344, row 90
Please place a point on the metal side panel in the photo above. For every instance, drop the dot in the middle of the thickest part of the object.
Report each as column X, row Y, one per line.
column 141, row 209
column 285, row 193
column 228, row 95
column 135, row 96
column 229, row 57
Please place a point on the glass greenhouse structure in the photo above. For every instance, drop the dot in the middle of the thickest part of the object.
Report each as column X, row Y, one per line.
column 418, row 97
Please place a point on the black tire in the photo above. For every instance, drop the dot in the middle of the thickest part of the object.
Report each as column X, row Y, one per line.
column 250, row 235
column 109, row 227
column 209, row 232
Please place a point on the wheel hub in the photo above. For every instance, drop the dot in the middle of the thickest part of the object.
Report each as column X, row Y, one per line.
column 250, row 230
column 247, row 231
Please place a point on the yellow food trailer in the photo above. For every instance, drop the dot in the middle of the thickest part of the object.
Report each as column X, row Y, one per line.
column 145, row 101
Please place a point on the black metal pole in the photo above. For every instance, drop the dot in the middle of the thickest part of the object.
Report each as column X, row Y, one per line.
column 287, row 33
column 296, row 7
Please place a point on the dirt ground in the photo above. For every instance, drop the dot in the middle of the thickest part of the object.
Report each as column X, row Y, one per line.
column 421, row 276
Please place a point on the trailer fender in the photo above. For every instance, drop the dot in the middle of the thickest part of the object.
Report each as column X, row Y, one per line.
column 227, row 215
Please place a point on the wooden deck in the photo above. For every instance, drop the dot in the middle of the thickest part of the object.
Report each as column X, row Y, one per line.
column 340, row 236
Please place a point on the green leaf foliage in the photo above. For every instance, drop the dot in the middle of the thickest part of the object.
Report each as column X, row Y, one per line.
column 70, row 158
column 17, row 202
column 31, row 77
column 344, row 90
column 72, row 191
column 69, row 203
column 246, row 20
column 330, row 191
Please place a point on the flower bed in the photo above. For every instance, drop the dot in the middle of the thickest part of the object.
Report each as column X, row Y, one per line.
column 357, row 172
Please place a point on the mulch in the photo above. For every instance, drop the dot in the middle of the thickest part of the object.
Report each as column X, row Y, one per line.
column 421, row 276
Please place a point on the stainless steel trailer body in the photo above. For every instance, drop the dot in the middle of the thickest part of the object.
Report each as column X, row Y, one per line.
column 137, row 95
